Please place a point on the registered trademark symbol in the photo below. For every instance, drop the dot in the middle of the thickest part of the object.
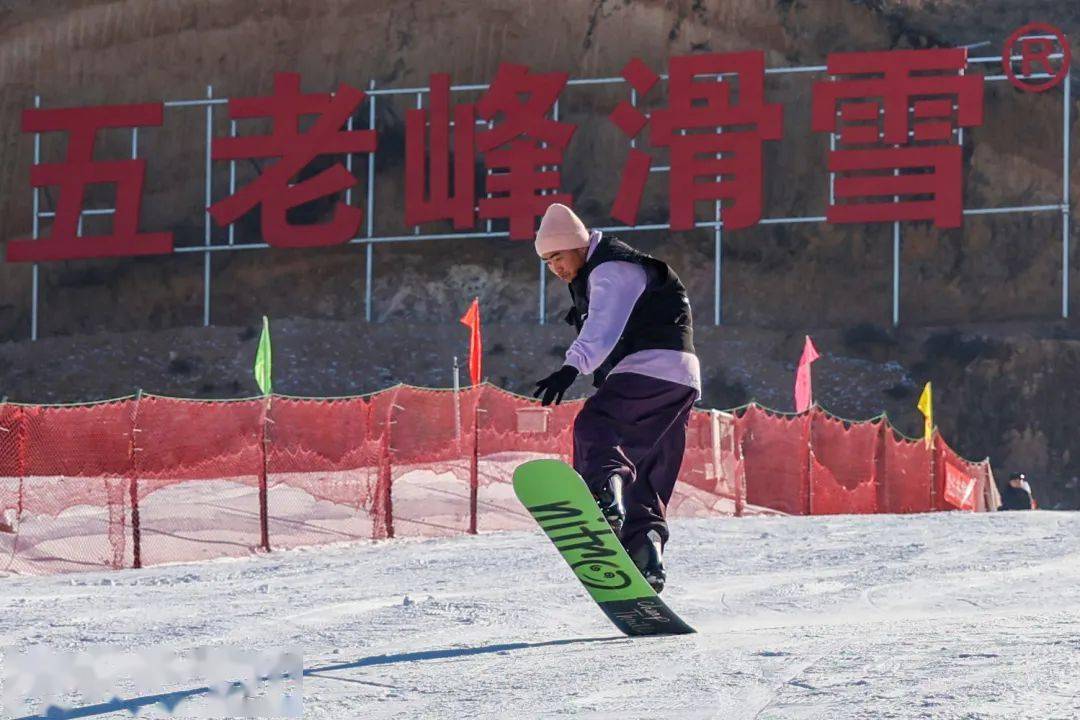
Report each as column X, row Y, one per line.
column 1031, row 46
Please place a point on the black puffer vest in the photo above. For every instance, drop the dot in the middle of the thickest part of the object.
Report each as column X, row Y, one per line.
column 660, row 319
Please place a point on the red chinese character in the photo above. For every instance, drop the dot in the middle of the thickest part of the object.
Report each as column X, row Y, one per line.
column 707, row 162
column 295, row 150
column 427, row 192
column 896, row 151
column 526, row 140
column 80, row 170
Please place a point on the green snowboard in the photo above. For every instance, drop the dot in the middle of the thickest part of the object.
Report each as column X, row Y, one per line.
column 558, row 499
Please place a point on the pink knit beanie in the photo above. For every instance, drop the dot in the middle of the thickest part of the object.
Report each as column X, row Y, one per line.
column 560, row 229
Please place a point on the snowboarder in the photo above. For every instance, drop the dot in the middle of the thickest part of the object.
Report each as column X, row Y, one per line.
column 635, row 335
column 1017, row 494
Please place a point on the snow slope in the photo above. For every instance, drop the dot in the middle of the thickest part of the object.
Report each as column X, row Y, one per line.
column 930, row 616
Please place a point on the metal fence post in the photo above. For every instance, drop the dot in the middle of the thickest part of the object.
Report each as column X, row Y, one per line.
column 264, row 507
column 368, row 272
column 206, row 210
column 133, row 484
column 35, row 236
column 1065, row 199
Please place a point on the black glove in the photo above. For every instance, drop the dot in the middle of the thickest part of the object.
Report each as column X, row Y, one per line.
column 555, row 384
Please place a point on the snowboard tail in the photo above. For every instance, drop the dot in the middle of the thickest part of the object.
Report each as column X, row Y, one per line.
column 559, row 501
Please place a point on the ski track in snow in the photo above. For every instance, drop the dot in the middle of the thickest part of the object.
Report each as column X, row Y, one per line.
column 929, row 616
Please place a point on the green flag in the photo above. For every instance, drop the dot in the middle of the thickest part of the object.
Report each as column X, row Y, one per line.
column 262, row 360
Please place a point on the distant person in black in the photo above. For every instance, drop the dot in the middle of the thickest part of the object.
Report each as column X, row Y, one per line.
column 1017, row 494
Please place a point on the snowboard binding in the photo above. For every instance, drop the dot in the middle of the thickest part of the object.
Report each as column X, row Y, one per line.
column 649, row 558
column 610, row 501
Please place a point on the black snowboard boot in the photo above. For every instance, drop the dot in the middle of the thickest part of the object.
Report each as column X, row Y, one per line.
column 649, row 558
column 610, row 500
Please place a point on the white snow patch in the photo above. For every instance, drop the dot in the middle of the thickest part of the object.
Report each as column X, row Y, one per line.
column 923, row 616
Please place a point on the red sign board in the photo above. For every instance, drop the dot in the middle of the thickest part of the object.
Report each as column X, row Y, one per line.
column 896, row 117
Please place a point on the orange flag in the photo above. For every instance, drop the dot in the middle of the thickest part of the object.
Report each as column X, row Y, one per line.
column 471, row 320
column 804, row 394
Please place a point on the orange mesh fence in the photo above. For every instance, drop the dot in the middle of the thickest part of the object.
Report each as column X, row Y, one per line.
column 907, row 475
column 11, row 470
column 322, row 469
column 12, row 479
column 843, row 465
column 709, row 479
column 196, row 476
column 510, row 430
column 150, row 479
column 432, row 461
column 72, row 464
column 774, row 450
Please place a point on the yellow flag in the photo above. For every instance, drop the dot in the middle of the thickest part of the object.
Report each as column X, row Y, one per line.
column 926, row 407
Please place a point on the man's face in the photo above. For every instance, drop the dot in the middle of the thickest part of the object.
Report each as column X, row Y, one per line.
column 565, row 263
column 1016, row 482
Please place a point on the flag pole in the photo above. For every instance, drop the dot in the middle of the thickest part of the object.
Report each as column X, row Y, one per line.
column 264, row 379
column 457, row 400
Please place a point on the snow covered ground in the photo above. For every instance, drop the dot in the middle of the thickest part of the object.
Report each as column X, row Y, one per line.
column 930, row 616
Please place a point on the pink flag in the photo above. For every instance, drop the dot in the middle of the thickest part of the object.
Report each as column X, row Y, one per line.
column 471, row 319
column 804, row 394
